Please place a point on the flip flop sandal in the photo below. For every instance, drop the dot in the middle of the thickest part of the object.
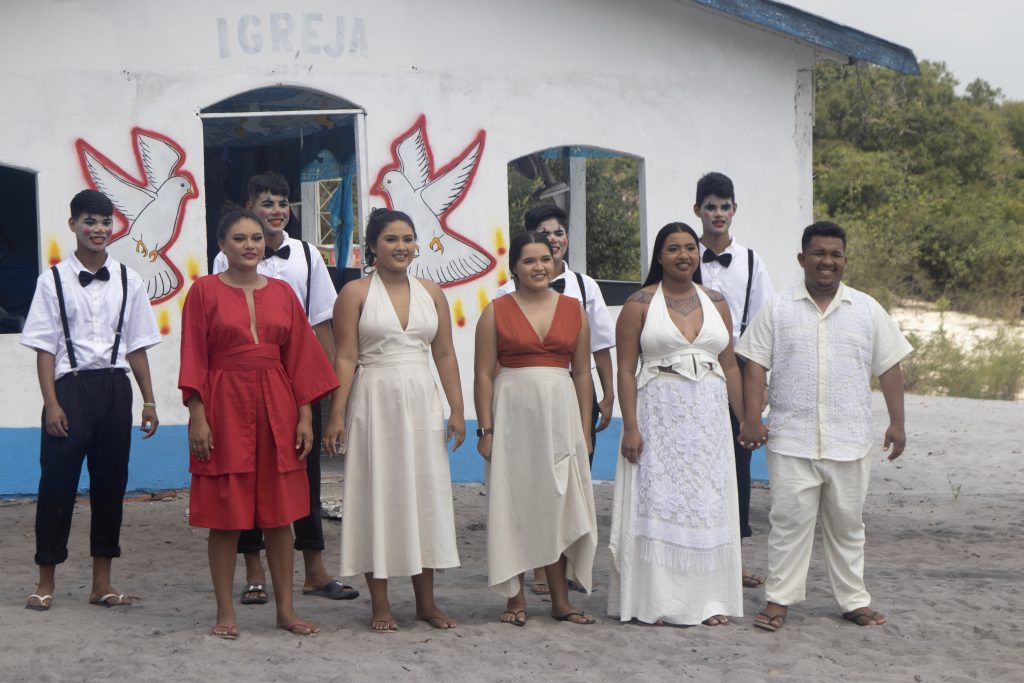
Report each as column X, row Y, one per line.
column 45, row 601
column 769, row 626
column 334, row 590
column 260, row 597
column 113, row 600
column 302, row 628
column 392, row 626
column 515, row 621
column 225, row 631
column 568, row 617
column 752, row 581
column 856, row 617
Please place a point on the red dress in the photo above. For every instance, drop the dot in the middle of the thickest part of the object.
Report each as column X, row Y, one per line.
column 250, row 393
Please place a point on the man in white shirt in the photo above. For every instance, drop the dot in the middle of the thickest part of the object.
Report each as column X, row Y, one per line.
column 300, row 265
column 822, row 341
column 740, row 276
column 552, row 222
column 89, row 323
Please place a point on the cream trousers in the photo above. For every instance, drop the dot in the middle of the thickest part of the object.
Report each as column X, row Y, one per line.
column 801, row 488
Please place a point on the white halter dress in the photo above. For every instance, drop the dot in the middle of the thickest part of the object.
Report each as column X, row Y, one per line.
column 675, row 538
column 397, row 507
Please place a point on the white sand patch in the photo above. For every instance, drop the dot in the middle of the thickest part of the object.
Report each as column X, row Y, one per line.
column 925, row 319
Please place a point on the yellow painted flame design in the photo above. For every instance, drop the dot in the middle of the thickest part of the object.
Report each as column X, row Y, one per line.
column 53, row 249
column 192, row 268
column 458, row 313
column 502, row 275
column 482, row 298
column 163, row 321
column 499, row 242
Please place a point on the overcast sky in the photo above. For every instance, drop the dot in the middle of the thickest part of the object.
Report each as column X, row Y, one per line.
column 975, row 38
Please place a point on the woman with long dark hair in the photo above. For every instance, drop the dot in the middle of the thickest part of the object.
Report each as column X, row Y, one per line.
column 675, row 539
column 532, row 390
column 388, row 414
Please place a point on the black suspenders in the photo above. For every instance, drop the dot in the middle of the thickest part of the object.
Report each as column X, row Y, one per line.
column 67, row 328
column 309, row 272
column 750, row 279
column 583, row 290
column 64, row 321
column 120, row 317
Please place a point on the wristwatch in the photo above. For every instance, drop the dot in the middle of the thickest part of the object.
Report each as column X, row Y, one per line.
column 483, row 432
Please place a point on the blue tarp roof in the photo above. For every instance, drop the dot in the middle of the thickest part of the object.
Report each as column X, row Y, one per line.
column 818, row 31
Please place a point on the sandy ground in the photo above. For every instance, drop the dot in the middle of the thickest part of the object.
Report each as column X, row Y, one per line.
column 944, row 562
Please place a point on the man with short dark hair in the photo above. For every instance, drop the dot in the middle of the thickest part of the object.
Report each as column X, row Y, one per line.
column 89, row 323
column 822, row 341
column 741, row 277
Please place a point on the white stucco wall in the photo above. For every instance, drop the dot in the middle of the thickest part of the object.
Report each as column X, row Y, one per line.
column 686, row 89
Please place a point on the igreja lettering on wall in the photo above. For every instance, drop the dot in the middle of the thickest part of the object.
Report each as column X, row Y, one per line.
column 285, row 32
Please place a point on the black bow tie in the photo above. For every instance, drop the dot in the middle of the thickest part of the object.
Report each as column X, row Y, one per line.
column 558, row 285
column 283, row 252
column 709, row 256
column 85, row 277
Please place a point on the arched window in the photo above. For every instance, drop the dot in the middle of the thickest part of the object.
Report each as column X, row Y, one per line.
column 314, row 139
column 601, row 192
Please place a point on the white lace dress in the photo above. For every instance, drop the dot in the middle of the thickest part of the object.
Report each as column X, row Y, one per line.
column 675, row 538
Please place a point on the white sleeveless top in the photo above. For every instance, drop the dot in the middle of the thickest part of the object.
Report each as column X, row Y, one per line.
column 663, row 345
column 382, row 341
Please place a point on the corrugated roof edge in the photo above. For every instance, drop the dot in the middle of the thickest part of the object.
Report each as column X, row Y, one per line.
column 819, row 31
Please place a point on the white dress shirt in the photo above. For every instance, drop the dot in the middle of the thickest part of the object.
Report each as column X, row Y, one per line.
column 731, row 283
column 92, row 317
column 293, row 271
column 821, row 363
column 602, row 331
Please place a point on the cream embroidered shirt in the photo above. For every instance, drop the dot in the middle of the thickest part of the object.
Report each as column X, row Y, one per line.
column 821, row 363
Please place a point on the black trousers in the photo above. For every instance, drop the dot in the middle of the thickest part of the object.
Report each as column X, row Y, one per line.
column 98, row 406
column 309, row 531
column 595, row 417
column 742, row 478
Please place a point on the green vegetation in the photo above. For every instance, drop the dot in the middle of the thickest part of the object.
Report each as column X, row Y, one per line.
column 992, row 369
column 613, row 212
column 928, row 183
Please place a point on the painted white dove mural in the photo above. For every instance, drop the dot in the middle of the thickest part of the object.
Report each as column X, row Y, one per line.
column 412, row 186
column 153, row 207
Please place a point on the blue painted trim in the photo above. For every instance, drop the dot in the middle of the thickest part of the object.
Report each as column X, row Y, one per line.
column 161, row 463
column 818, row 31
column 156, row 464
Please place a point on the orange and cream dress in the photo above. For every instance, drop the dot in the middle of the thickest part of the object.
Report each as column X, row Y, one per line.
column 540, row 502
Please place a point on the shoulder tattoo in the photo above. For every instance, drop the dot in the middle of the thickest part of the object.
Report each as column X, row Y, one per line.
column 714, row 295
column 640, row 297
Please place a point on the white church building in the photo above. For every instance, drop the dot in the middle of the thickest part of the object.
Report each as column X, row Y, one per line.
column 363, row 104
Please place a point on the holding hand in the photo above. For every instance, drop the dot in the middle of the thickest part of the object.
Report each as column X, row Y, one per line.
column 753, row 435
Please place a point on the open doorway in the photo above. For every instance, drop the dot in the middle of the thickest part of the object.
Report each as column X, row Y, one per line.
column 19, row 247
column 315, row 140
column 601, row 192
